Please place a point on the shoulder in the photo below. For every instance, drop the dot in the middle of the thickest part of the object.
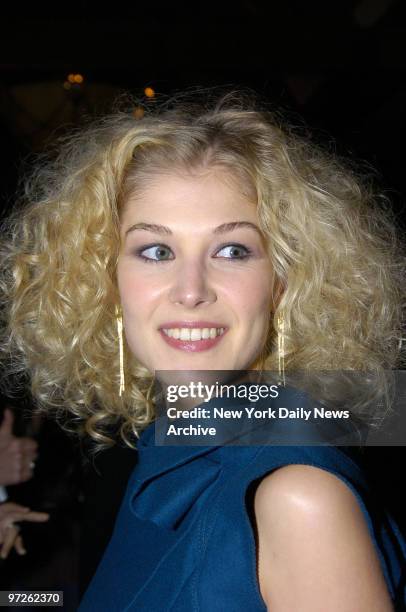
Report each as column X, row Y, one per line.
column 294, row 484
column 314, row 544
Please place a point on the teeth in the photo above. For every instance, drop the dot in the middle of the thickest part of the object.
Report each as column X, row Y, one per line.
column 184, row 334
column 195, row 333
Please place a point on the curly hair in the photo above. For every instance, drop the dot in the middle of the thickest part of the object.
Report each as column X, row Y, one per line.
column 332, row 242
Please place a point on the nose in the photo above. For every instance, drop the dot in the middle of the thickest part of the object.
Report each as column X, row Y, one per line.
column 192, row 286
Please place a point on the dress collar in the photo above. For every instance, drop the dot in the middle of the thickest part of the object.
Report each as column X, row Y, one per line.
column 155, row 459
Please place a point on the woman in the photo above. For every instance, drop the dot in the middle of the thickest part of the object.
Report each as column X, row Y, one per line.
column 217, row 241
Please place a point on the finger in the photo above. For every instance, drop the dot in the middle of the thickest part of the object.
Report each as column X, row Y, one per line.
column 19, row 546
column 22, row 473
column 24, row 466
column 9, row 539
column 10, row 517
column 28, row 445
column 8, row 507
column 26, row 471
column 15, row 517
column 31, row 456
column 35, row 517
column 6, row 428
column 26, row 475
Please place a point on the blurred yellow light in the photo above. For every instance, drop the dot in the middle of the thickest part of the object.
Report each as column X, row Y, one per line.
column 138, row 112
column 71, row 78
column 149, row 92
column 78, row 78
column 66, row 85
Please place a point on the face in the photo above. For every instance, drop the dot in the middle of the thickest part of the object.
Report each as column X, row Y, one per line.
column 194, row 277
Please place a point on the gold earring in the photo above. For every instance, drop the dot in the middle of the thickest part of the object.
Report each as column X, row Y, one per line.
column 280, row 324
column 119, row 320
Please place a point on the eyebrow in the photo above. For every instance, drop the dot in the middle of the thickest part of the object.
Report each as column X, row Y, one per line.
column 166, row 231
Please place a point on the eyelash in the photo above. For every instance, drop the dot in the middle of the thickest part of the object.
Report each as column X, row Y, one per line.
column 139, row 252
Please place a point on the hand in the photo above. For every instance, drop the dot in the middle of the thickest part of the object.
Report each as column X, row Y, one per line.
column 17, row 455
column 9, row 532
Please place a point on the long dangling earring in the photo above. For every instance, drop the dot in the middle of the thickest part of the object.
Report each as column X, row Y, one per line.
column 280, row 324
column 119, row 320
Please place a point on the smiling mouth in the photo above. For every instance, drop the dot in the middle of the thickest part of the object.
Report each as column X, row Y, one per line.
column 194, row 333
column 193, row 339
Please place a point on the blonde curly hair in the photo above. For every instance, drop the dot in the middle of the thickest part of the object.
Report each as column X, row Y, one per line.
column 331, row 240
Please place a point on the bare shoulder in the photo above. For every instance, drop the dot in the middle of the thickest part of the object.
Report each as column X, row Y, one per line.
column 314, row 546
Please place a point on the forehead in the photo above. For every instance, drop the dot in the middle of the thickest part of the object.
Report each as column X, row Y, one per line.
column 214, row 195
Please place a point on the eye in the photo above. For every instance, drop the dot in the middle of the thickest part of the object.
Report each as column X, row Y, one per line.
column 236, row 251
column 155, row 253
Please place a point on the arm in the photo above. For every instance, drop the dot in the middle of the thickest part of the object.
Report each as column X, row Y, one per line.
column 314, row 548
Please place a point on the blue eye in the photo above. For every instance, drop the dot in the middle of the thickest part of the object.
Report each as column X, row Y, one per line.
column 158, row 253
column 237, row 251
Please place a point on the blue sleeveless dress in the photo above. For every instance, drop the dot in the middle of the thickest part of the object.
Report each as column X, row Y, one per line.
column 183, row 539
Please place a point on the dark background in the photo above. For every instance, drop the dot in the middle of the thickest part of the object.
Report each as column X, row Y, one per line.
column 338, row 66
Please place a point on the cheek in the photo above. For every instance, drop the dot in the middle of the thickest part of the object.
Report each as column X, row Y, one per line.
column 252, row 298
column 135, row 290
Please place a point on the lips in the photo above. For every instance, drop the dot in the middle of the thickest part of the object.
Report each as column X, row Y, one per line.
column 192, row 336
